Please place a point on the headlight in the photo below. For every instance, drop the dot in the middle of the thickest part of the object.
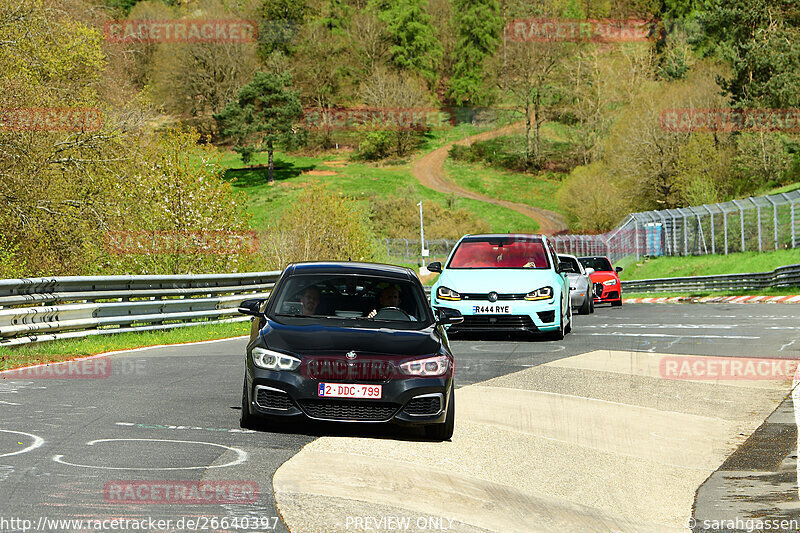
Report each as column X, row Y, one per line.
column 270, row 360
column 432, row 366
column 545, row 293
column 610, row 282
column 443, row 293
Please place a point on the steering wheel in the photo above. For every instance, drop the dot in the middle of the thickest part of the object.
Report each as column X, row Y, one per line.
column 392, row 313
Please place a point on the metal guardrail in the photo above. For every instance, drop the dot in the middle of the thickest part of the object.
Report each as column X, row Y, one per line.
column 42, row 309
column 785, row 276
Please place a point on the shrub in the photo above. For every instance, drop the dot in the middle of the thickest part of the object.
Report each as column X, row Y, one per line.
column 320, row 226
column 397, row 217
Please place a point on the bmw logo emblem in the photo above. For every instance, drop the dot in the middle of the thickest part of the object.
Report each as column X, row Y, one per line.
column 351, row 355
column 492, row 296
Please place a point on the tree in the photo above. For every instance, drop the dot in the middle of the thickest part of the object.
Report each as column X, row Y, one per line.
column 280, row 21
column 533, row 83
column 479, row 25
column 264, row 116
column 414, row 42
column 761, row 41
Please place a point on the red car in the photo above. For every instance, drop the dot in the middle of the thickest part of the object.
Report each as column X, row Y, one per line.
column 607, row 287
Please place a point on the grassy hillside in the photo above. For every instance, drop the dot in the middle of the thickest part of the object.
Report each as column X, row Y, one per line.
column 706, row 265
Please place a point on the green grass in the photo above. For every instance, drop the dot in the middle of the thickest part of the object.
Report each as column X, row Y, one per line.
column 786, row 188
column 358, row 180
column 64, row 350
column 789, row 291
column 707, row 265
column 537, row 191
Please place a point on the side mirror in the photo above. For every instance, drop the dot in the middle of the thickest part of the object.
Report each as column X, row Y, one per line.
column 618, row 269
column 445, row 316
column 251, row 307
column 589, row 271
column 436, row 266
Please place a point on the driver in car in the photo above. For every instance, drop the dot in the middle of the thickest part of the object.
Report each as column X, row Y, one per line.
column 388, row 297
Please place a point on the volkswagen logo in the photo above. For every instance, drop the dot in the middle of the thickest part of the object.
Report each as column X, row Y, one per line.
column 492, row 296
column 351, row 355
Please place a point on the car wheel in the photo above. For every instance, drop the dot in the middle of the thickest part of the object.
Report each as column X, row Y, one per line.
column 586, row 308
column 246, row 420
column 558, row 335
column 444, row 431
column 591, row 307
column 618, row 303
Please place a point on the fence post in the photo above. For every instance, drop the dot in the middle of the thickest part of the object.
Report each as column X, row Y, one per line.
column 741, row 221
column 636, row 236
column 774, row 220
column 725, row 223
column 685, row 235
column 711, row 216
column 791, row 216
column 407, row 252
column 388, row 253
column 758, row 214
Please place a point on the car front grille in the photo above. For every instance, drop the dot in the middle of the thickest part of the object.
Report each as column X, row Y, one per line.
column 494, row 322
column 485, row 296
column 426, row 405
column 363, row 411
column 272, row 399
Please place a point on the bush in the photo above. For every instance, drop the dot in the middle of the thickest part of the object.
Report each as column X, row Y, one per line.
column 320, row 226
column 382, row 144
column 397, row 217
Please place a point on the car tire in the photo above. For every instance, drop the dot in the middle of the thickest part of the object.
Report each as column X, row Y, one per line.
column 586, row 308
column 617, row 303
column 558, row 335
column 444, row 431
column 591, row 307
column 246, row 420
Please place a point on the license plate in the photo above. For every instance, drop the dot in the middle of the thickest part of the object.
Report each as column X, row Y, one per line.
column 344, row 390
column 491, row 309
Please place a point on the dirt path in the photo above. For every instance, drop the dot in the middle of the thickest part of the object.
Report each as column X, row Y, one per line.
column 429, row 170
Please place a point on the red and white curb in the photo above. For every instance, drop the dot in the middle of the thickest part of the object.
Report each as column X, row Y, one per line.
column 716, row 300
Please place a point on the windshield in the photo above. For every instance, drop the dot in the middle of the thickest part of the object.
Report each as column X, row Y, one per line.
column 350, row 297
column 599, row 264
column 510, row 252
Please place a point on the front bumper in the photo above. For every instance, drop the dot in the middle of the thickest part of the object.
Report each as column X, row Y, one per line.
column 524, row 316
column 607, row 293
column 406, row 401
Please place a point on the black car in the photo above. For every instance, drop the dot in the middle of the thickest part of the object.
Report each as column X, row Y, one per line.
column 349, row 342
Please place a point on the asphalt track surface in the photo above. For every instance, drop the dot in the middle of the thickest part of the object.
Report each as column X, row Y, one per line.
column 171, row 414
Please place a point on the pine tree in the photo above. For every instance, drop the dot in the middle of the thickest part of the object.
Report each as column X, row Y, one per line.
column 479, row 26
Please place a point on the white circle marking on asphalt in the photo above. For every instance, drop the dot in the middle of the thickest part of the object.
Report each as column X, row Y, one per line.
column 241, row 456
column 37, row 441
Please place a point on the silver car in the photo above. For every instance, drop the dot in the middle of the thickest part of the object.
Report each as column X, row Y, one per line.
column 581, row 289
